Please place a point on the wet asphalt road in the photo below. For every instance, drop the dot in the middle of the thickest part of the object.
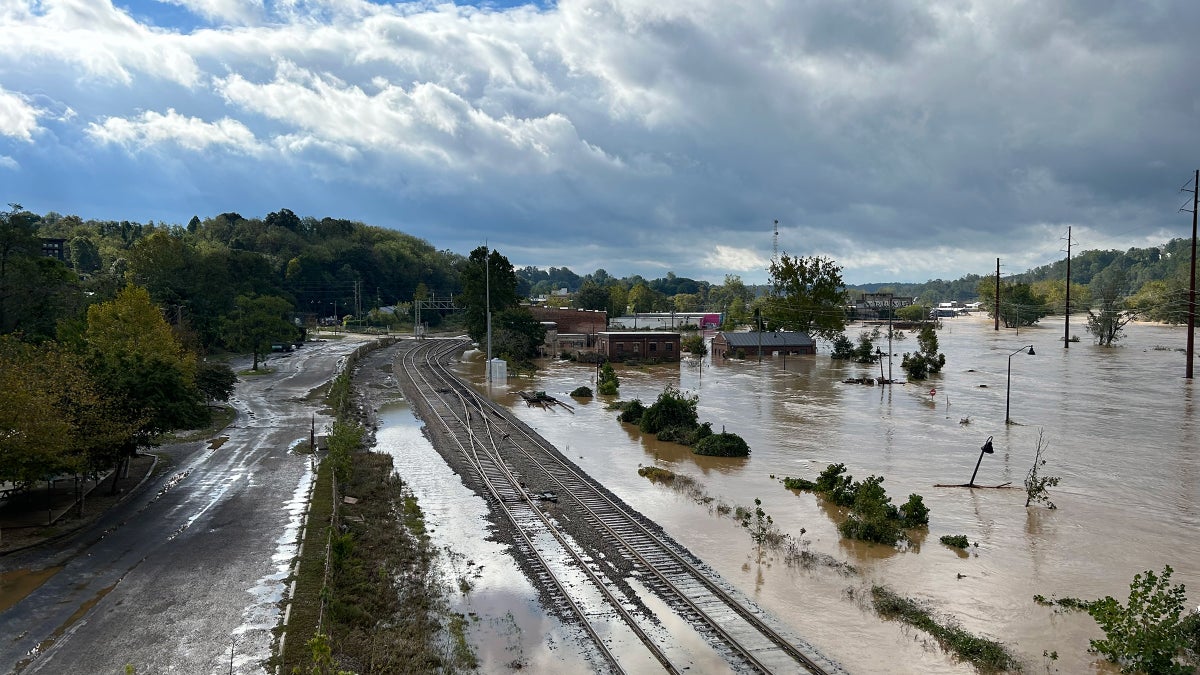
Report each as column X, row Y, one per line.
column 185, row 576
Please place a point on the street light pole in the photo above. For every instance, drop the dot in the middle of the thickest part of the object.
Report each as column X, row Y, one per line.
column 1008, row 385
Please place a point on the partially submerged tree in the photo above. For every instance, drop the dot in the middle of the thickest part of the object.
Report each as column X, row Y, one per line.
column 1110, row 312
column 927, row 359
column 1036, row 485
column 807, row 295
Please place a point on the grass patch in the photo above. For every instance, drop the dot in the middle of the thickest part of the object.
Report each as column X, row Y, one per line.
column 988, row 656
column 310, row 573
column 657, row 474
column 255, row 373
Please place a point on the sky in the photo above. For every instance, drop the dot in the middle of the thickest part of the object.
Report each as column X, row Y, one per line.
column 905, row 140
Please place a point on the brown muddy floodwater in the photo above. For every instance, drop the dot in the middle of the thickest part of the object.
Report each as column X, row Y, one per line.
column 1120, row 423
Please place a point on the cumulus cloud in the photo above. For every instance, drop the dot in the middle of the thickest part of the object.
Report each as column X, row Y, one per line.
column 904, row 141
column 151, row 129
column 18, row 119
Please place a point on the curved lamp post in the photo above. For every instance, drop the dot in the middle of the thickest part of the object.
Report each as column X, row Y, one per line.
column 985, row 450
column 1008, row 386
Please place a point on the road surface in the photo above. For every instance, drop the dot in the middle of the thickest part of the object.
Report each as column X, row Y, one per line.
column 187, row 575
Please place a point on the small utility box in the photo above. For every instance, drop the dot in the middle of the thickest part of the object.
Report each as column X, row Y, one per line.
column 497, row 370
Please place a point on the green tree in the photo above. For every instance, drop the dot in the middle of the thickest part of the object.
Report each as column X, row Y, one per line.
column 142, row 367
column 913, row 313
column 1020, row 304
column 592, row 295
column 673, row 409
column 215, row 380
column 257, row 323
column 927, row 359
column 35, row 291
column 607, row 382
column 489, row 283
column 1144, row 635
column 1110, row 312
column 807, row 295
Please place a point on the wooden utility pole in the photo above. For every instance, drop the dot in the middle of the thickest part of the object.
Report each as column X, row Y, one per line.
column 1191, row 332
column 997, row 313
column 1067, row 310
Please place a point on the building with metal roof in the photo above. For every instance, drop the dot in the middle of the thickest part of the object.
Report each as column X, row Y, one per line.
column 736, row 345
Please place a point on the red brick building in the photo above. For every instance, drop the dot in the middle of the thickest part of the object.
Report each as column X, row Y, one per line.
column 567, row 320
column 640, row 345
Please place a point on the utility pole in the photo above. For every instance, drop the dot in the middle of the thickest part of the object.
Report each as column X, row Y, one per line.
column 1067, row 310
column 487, row 285
column 997, row 294
column 1191, row 331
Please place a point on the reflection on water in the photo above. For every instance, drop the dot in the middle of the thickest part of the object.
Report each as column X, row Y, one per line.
column 506, row 625
column 1122, row 433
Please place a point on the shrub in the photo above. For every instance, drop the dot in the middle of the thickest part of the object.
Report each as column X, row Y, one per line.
column 914, row 512
column 1146, row 634
column 607, row 382
column 631, row 413
column 582, row 392
column 672, row 409
column 799, row 484
column 873, row 517
column 843, row 348
column 955, row 540
column 694, row 344
column 722, row 445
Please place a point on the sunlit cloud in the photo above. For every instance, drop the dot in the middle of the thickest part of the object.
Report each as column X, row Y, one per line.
column 151, row 129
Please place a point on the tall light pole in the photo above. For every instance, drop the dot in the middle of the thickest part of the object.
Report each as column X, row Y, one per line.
column 1008, row 386
column 487, row 285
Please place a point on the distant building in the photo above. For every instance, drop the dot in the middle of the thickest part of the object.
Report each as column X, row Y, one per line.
column 567, row 320
column 54, row 248
column 727, row 345
column 668, row 320
column 639, row 345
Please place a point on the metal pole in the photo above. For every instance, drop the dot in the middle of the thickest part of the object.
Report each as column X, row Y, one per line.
column 1191, row 331
column 1007, row 390
column 997, row 294
column 1067, row 311
column 487, row 285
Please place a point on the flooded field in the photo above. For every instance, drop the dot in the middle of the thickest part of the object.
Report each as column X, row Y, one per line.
column 1122, row 430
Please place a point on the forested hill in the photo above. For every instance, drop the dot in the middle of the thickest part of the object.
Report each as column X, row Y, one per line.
column 1159, row 269
column 323, row 268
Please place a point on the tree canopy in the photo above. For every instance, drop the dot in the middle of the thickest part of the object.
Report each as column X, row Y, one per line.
column 807, row 295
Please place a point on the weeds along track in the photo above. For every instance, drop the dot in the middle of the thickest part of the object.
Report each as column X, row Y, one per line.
column 504, row 454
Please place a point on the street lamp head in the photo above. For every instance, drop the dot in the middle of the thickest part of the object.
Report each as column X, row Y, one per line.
column 1031, row 351
column 987, row 447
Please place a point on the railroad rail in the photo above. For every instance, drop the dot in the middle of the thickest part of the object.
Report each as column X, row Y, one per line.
column 484, row 434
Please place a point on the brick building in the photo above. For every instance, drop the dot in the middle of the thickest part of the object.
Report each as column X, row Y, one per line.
column 640, row 345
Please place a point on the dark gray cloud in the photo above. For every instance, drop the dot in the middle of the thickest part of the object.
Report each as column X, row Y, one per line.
column 905, row 141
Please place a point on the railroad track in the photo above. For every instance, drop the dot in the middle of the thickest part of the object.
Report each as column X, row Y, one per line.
column 491, row 442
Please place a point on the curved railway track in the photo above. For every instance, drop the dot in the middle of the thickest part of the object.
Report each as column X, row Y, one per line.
column 491, row 442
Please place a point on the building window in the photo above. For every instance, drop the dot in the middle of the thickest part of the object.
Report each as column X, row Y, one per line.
column 670, row 346
column 620, row 347
column 653, row 347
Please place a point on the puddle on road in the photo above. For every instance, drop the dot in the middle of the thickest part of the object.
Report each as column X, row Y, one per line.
column 508, row 627
column 254, row 636
column 16, row 584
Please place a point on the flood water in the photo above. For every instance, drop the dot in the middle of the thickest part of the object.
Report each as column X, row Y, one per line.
column 1121, row 429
